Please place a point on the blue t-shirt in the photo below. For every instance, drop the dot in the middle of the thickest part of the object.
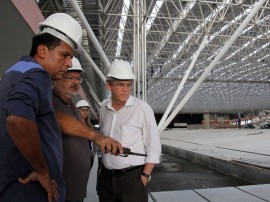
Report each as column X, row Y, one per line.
column 25, row 90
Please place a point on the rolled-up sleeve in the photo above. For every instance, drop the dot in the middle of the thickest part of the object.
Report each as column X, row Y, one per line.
column 150, row 136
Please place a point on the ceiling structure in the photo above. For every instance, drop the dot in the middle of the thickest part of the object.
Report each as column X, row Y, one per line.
column 183, row 39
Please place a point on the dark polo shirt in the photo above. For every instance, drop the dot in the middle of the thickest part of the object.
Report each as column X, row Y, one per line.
column 25, row 90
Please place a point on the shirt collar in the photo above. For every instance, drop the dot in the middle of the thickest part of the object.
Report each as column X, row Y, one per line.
column 129, row 102
column 28, row 59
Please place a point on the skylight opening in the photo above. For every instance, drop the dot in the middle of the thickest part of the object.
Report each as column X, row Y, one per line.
column 250, row 42
column 236, row 19
column 123, row 20
column 153, row 15
column 262, row 59
column 256, row 51
column 201, row 26
column 172, row 29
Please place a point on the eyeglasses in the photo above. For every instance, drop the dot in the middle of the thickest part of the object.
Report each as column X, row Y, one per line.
column 122, row 85
column 78, row 80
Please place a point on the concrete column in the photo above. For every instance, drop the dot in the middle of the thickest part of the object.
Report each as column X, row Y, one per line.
column 206, row 118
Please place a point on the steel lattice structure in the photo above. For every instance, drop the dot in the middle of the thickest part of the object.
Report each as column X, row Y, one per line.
column 174, row 30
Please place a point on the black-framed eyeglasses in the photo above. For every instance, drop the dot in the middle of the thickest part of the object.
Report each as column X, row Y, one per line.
column 77, row 79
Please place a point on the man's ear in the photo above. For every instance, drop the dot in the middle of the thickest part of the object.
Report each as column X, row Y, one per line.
column 108, row 86
column 42, row 51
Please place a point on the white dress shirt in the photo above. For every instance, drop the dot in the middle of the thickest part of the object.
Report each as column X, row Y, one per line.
column 134, row 126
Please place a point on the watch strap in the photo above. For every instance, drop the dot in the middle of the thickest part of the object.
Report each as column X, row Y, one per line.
column 148, row 177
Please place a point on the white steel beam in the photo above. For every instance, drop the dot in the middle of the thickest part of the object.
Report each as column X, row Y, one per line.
column 227, row 45
column 183, row 81
column 90, row 33
column 98, row 71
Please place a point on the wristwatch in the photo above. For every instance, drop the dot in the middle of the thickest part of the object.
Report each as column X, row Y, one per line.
column 148, row 177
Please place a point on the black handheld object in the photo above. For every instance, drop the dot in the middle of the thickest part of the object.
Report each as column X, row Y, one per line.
column 127, row 151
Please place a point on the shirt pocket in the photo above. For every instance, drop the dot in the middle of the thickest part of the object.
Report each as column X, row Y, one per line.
column 130, row 134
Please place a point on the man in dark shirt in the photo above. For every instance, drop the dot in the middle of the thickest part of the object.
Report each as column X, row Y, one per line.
column 31, row 156
column 77, row 161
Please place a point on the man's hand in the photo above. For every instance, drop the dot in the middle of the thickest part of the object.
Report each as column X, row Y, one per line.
column 46, row 182
column 144, row 180
column 70, row 126
column 25, row 135
column 107, row 144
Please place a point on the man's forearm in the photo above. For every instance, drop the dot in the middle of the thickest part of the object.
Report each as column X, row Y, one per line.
column 148, row 168
column 25, row 136
column 71, row 126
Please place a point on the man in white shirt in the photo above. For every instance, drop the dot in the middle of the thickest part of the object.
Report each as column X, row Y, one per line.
column 130, row 121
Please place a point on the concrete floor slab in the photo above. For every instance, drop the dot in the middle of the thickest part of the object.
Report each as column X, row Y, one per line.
column 176, row 196
column 260, row 190
column 150, row 199
column 226, row 194
column 249, row 145
column 237, row 152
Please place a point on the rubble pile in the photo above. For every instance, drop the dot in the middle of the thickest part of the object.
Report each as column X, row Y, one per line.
column 259, row 123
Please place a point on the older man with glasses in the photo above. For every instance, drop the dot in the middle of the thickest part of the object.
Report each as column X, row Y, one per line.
column 130, row 121
column 77, row 164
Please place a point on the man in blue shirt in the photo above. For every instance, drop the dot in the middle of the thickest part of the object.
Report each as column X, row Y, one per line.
column 31, row 155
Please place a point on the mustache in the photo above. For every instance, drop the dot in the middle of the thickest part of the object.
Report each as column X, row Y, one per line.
column 74, row 85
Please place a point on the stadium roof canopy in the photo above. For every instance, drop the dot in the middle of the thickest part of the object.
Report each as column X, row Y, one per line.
column 208, row 51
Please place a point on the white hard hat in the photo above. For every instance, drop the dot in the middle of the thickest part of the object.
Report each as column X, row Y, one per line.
column 76, row 65
column 82, row 103
column 121, row 70
column 64, row 27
